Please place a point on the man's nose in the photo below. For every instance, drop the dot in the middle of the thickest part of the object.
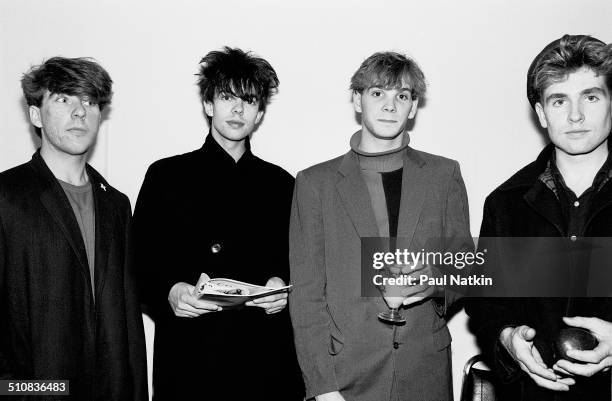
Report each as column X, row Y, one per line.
column 576, row 113
column 238, row 106
column 79, row 110
column 389, row 105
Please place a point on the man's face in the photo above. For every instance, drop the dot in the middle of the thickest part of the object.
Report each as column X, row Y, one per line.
column 69, row 123
column 385, row 112
column 233, row 119
column 577, row 112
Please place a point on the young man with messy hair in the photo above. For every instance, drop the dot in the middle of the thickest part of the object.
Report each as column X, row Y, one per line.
column 381, row 188
column 565, row 192
column 68, row 303
column 222, row 211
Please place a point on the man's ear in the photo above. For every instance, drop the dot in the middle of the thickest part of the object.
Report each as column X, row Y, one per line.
column 413, row 108
column 208, row 108
column 357, row 101
column 259, row 116
column 541, row 115
column 35, row 116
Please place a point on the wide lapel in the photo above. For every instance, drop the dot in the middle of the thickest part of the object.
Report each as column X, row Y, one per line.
column 415, row 185
column 355, row 196
column 104, row 218
column 57, row 204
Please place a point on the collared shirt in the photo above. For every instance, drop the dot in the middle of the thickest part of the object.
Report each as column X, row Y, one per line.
column 575, row 209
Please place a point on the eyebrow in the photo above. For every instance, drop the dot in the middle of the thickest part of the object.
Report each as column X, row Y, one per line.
column 399, row 89
column 594, row 89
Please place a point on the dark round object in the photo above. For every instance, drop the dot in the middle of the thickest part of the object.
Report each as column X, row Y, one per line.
column 574, row 338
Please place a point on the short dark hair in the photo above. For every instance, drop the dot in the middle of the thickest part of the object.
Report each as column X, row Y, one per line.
column 389, row 70
column 564, row 56
column 238, row 73
column 81, row 77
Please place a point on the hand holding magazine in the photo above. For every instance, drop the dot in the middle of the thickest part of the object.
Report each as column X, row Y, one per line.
column 227, row 292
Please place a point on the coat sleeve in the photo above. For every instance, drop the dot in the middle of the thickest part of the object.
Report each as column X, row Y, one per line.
column 457, row 236
column 156, row 269
column 135, row 329
column 489, row 316
column 307, row 302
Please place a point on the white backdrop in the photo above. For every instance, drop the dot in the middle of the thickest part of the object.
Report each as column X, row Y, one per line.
column 475, row 54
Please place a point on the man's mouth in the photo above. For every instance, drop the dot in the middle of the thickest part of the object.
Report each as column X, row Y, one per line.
column 77, row 129
column 235, row 124
column 384, row 120
column 577, row 132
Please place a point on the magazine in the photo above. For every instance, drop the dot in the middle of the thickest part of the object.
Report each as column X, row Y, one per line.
column 227, row 292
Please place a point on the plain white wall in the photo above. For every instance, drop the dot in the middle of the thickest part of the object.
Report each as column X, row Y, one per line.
column 474, row 53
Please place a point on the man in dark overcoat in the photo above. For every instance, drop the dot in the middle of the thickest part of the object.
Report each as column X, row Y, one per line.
column 222, row 211
column 565, row 194
column 68, row 303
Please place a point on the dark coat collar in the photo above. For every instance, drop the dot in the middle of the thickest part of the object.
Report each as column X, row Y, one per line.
column 219, row 157
column 528, row 175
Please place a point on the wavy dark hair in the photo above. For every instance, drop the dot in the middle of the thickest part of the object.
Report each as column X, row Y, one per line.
column 82, row 77
column 389, row 70
column 235, row 72
column 564, row 56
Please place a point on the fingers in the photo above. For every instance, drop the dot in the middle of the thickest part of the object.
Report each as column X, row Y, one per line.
column 583, row 369
column 270, row 307
column 184, row 304
column 533, row 366
column 270, row 298
column 555, row 385
column 425, row 292
column 589, row 323
column 595, row 355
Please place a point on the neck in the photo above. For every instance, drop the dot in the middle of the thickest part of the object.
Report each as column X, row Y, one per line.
column 65, row 167
column 579, row 171
column 234, row 148
column 371, row 144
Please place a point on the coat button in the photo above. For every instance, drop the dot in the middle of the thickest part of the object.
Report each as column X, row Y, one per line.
column 215, row 248
column 395, row 344
column 573, row 238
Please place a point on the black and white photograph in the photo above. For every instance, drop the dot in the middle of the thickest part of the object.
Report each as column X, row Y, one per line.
column 341, row 200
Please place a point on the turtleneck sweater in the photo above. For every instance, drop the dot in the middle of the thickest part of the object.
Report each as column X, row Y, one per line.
column 382, row 173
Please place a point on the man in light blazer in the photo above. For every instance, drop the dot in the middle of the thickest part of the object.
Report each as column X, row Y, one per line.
column 380, row 188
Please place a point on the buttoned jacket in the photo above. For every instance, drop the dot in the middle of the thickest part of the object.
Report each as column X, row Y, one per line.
column 341, row 344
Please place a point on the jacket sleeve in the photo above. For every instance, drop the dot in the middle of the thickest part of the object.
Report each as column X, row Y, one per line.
column 489, row 316
column 307, row 302
column 457, row 236
column 135, row 329
column 156, row 266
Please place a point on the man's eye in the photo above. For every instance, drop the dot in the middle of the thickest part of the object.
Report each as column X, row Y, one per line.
column 61, row 99
column 224, row 96
column 592, row 98
column 404, row 96
column 87, row 103
column 558, row 103
column 376, row 93
column 252, row 100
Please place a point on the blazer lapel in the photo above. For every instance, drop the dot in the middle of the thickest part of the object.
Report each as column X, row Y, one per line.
column 414, row 190
column 355, row 197
column 104, row 217
column 55, row 201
